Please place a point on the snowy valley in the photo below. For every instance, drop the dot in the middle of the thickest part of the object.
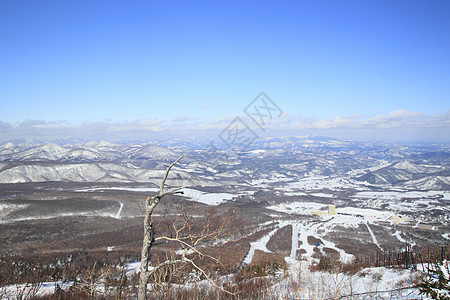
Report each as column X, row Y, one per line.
column 297, row 201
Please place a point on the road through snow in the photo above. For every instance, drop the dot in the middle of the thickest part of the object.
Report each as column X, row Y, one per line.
column 374, row 239
column 117, row 216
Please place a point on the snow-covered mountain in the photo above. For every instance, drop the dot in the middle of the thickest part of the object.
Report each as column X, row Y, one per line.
column 152, row 152
column 87, row 152
column 42, row 152
column 409, row 174
column 94, row 172
column 282, row 159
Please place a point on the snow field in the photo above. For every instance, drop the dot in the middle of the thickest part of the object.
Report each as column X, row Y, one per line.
column 374, row 239
column 207, row 198
column 397, row 195
column 117, row 216
column 300, row 284
column 258, row 245
column 297, row 207
column 300, row 233
column 193, row 194
column 118, row 188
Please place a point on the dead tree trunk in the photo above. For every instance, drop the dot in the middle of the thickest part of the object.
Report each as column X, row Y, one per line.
column 149, row 233
column 182, row 235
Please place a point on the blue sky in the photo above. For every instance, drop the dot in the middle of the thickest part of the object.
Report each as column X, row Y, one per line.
column 352, row 69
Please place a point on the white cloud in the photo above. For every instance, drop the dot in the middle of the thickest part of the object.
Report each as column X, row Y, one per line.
column 395, row 119
column 400, row 124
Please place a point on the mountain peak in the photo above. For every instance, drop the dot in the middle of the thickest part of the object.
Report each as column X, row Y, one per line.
column 407, row 166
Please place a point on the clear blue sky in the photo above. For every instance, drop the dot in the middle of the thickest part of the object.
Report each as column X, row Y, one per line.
column 122, row 61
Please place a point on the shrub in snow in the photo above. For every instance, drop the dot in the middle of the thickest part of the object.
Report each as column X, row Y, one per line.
column 436, row 285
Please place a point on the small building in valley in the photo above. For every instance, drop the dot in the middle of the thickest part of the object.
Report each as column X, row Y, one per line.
column 426, row 226
column 331, row 209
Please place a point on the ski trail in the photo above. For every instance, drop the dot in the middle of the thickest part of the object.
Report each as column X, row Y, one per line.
column 397, row 234
column 304, row 232
column 374, row 239
column 260, row 245
column 117, row 216
column 294, row 244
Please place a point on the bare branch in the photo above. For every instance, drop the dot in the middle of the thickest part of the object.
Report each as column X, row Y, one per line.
column 209, row 278
column 182, row 233
column 163, row 182
column 201, row 254
column 164, row 264
column 174, row 191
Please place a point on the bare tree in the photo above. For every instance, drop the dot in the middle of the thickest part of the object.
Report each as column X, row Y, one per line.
column 183, row 235
column 93, row 276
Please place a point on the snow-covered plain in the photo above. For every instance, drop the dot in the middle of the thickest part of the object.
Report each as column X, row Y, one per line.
column 396, row 195
column 315, row 183
column 193, row 194
column 297, row 207
column 118, row 188
column 207, row 198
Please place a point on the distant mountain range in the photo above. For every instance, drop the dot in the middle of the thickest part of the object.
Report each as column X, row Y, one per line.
column 291, row 158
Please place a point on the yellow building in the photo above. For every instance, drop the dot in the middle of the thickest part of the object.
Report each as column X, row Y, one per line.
column 399, row 220
column 318, row 213
column 331, row 209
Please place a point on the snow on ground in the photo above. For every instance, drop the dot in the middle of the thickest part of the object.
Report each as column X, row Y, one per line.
column 383, row 279
column 294, row 193
column 308, row 183
column 366, row 213
column 294, row 240
column 258, row 245
column 195, row 195
column 322, row 195
column 95, row 213
column 446, row 196
column 312, row 183
column 369, row 283
column 306, row 231
column 374, row 239
column 262, row 183
column 6, row 208
column 300, row 233
column 117, row 216
column 299, row 240
column 118, row 188
column 313, row 285
column 397, row 195
column 377, row 195
column 397, row 234
column 132, row 268
column 207, row 198
column 27, row 291
column 346, row 216
column 398, row 201
column 297, row 207
column 62, row 215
